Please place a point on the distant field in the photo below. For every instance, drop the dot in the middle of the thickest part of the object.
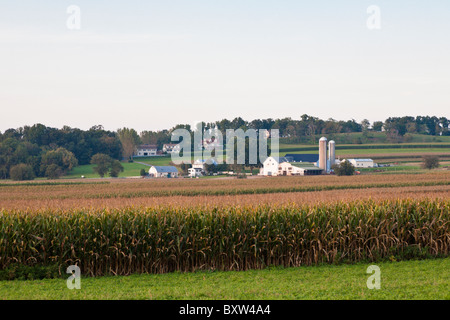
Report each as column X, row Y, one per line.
column 377, row 151
column 358, row 137
column 423, row 279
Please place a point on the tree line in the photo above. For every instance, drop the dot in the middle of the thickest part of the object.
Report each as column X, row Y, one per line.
column 41, row 151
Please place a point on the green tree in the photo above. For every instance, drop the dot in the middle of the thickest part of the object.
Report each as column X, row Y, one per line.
column 21, row 172
column 377, row 126
column 115, row 168
column 53, row 171
column 60, row 160
column 365, row 124
column 430, row 162
column 143, row 173
column 105, row 164
column 102, row 162
column 130, row 140
column 344, row 169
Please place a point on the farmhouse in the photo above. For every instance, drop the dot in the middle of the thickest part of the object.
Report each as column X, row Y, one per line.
column 163, row 172
column 171, row 147
column 195, row 172
column 145, row 150
column 362, row 163
column 200, row 164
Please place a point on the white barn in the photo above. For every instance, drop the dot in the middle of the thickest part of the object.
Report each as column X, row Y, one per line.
column 270, row 166
column 275, row 166
column 362, row 163
column 163, row 172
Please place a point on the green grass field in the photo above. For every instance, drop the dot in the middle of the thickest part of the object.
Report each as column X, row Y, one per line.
column 155, row 161
column 425, row 279
column 130, row 170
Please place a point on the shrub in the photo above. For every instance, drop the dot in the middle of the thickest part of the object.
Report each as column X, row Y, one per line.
column 24, row 272
column 21, row 172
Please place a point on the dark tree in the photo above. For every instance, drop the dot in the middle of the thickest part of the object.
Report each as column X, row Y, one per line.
column 430, row 162
column 53, row 171
column 115, row 169
column 344, row 169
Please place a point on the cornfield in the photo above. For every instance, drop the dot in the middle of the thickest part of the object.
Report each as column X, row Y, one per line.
column 166, row 239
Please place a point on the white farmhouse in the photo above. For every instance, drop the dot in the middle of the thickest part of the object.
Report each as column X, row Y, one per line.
column 200, row 164
column 146, row 150
column 195, row 172
column 171, row 148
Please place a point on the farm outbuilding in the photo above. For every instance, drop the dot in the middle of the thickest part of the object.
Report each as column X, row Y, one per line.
column 362, row 163
column 163, row 172
column 274, row 166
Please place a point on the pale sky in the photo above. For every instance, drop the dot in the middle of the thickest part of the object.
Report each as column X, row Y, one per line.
column 152, row 64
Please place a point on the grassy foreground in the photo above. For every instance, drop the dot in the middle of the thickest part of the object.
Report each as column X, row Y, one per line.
column 424, row 279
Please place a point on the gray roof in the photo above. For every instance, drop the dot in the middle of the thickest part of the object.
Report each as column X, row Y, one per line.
column 308, row 157
column 162, row 169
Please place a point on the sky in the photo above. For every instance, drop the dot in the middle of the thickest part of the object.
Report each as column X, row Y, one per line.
column 151, row 64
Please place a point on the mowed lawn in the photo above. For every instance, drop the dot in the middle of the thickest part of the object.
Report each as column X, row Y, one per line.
column 425, row 279
column 130, row 170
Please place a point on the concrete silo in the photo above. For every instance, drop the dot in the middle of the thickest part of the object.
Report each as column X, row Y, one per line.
column 331, row 153
column 323, row 153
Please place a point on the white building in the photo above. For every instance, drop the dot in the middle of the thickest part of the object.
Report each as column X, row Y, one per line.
column 362, row 163
column 270, row 166
column 211, row 144
column 171, row 147
column 275, row 166
column 146, row 150
column 163, row 172
column 201, row 164
column 195, row 172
